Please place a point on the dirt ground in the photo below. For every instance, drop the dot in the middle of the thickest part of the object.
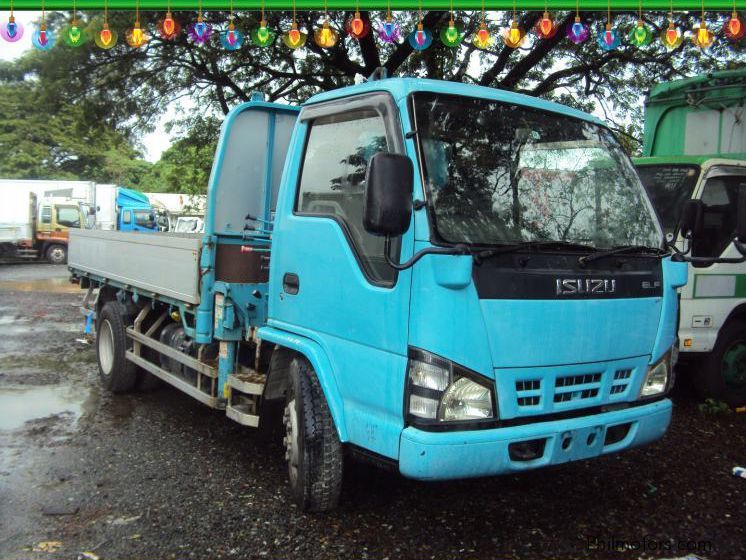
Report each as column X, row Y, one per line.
column 84, row 474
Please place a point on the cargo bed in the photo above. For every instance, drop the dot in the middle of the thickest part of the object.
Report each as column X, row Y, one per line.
column 166, row 264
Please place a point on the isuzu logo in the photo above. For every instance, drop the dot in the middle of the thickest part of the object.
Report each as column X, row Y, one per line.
column 580, row 286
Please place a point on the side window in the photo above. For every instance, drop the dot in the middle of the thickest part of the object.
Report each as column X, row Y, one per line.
column 67, row 216
column 332, row 180
column 46, row 215
column 720, row 198
column 126, row 216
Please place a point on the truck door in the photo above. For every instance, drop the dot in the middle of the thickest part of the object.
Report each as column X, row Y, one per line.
column 329, row 280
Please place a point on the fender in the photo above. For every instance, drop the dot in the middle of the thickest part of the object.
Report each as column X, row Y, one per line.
column 316, row 355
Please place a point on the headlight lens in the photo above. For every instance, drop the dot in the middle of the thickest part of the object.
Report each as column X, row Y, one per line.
column 657, row 379
column 465, row 400
column 440, row 391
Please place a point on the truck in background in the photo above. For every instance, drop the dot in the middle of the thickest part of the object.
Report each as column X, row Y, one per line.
column 390, row 285
column 32, row 228
column 173, row 208
column 123, row 209
column 695, row 149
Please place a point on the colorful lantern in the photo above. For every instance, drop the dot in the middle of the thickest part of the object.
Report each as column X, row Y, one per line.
column 701, row 36
column 106, row 38
column 577, row 31
column 357, row 27
column 640, row 35
column 168, row 28
column 11, row 31
column 42, row 39
column 231, row 38
column 453, row 35
column 608, row 38
column 421, row 38
column 293, row 37
column 734, row 28
column 482, row 38
column 74, row 35
column 672, row 37
column 546, row 28
column 325, row 37
column 513, row 36
column 200, row 32
column 136, row 37
column 262, row 36
column 389, row 31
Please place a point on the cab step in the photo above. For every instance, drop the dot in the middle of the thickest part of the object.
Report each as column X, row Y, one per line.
column 246, row 387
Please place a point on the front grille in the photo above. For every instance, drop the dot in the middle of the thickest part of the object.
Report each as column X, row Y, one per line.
column 622, row 377
column 528, row 392
column 570, row 388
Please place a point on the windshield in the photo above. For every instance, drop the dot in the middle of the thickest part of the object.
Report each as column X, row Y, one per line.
column 145, row 218
column 669, row 187
column 499, row 173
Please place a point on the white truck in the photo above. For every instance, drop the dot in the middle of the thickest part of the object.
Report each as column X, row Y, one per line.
column 695, row 150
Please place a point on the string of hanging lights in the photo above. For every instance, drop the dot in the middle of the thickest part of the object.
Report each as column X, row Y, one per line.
column 608, row 37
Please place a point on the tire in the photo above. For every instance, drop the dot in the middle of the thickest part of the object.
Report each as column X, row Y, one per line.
column 721, row 375
column 312, row 447
column 56, row 254
column 117, row 374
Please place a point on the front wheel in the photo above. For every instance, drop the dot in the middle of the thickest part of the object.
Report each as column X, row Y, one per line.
column 56, row 254
column 722, row 373
column 312, row 448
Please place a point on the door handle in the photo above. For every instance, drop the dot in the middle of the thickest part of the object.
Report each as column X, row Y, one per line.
column 291, row 283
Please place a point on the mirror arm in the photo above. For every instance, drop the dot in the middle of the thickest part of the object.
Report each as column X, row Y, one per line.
column 456, row 250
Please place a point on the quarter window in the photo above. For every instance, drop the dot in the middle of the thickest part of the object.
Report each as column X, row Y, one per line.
column 720, row 198
column 46, row 215
column 332, row 180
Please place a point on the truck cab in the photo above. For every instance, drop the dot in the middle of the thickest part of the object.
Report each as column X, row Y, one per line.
column 55, row 217
column 695, row 149
column 134, row 212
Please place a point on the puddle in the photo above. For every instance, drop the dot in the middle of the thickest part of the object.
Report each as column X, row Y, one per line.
column 20, row 404
column 49, row 285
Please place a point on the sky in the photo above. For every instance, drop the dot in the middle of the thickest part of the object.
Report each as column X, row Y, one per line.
column 154, row 143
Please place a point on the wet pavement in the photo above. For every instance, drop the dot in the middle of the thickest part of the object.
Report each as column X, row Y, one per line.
column 157, row 475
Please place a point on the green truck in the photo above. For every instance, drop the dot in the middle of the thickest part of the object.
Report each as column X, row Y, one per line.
column 695, row 149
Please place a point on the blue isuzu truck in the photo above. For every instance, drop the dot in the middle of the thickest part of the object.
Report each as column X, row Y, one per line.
column 452, row 280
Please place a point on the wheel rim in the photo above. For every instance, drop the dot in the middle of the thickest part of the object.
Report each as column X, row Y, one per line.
column 734, row 365
column 57, row 254
column 106, row 347
column 292, row 449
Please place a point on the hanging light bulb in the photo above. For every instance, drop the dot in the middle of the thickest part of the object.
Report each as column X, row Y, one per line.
column 325, row 37
column 453, row 35
column 105, row 38
column 136, row 37
column 608, row 38
column 168, row 27
column 672, row 37
column 389, row 31
column 420, row 38
column 200, row 32
column 483, row 38
column 546, row 28
column 11, row 31
column 42, row 39
column 513, row 36
column 577, row 31
column 231, row 38
column 357, row 27
column 734, row 28
column 262, row 36
column 640, row 35
column 293, row 37
column 701, row 36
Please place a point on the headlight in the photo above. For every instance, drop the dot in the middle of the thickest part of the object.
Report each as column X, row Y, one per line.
column 440, row 391
column 658, row 378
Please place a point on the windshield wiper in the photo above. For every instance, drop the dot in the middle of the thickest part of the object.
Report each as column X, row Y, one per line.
column 515, row 247
column 654, row 251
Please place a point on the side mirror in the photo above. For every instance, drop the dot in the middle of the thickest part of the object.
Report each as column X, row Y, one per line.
column 741, row 216
column 388, row 194
column 691, row 218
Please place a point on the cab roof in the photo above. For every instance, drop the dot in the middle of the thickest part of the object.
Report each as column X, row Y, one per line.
column 400, row 88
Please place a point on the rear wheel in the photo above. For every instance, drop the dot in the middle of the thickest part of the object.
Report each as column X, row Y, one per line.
column 312, row 448
column 116, row 372
column 722, row 374
column 56, row 254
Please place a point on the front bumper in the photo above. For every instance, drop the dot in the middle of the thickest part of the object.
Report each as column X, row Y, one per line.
column 464, row 454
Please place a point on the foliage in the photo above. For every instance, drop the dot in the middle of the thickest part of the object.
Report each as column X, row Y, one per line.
column 713, row 407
